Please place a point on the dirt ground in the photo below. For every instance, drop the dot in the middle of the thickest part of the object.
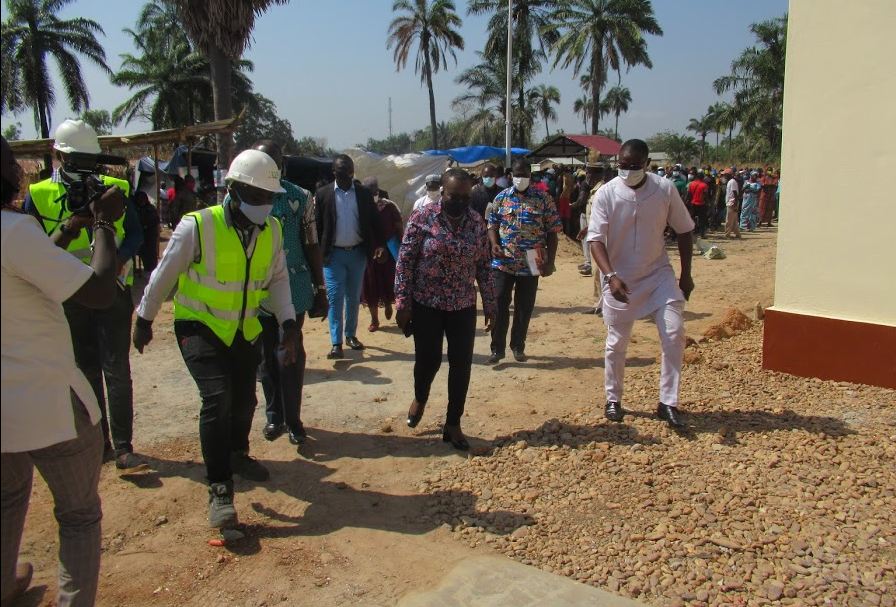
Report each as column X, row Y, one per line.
column 344, row 521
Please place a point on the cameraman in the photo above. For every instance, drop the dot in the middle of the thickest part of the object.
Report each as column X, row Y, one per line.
column 49, row 412
column 101, row 339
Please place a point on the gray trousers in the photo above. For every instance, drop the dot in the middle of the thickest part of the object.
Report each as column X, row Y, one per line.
column 72, row 471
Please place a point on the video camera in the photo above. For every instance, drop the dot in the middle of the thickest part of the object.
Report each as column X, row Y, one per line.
column 80, row 173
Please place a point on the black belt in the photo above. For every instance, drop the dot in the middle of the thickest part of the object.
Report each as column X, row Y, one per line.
column 352, row 248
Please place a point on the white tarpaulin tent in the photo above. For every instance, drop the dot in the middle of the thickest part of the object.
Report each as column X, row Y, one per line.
column 402, row 176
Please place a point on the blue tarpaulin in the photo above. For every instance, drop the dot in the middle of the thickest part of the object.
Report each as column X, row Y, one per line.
column 476, row 153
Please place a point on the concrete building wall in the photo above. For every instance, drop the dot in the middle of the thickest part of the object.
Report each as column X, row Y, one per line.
column 836, row 259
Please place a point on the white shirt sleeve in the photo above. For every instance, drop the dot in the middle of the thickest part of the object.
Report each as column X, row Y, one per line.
column 182, row 250
column 34, row 258
column 598, row 223
column 678, row 219
column 280, row 295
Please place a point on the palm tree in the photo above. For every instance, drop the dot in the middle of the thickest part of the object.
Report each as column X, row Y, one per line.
column 584, row 105
column 700, row 126
column 617, row 100
column 600, row 35
column 681, row 148
column 221, row 31
column 433, row 26
column 172, row 80
column 31, row 32
column 531, row 39
column 757, row 79
column 543, row 98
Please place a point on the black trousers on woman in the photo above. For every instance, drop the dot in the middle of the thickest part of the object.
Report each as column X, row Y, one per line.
column 431, row 327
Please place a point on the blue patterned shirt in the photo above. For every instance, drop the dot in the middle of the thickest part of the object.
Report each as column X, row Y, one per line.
column 523, row 221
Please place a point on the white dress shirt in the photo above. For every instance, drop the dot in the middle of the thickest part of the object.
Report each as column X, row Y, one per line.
column 184, row 249
column 348, row 224
column 631, row 223
column 39, row 370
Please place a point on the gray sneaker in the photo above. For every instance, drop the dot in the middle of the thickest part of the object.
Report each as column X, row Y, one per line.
column 128, row 462
column 221, row 512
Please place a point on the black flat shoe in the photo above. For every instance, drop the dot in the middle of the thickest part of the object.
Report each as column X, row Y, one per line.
column 495, row 358
column 414, row 418
column 297, row 436
column 670, row 414
column 353, row 343
column 458, row 440
column 519, row 355
column 272, row 431
column 613, row 411
column 335, row 353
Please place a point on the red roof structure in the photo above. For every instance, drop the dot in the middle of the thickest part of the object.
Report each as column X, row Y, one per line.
column 575, row 146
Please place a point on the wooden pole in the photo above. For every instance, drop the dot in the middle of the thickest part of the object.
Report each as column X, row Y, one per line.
column 155, row 160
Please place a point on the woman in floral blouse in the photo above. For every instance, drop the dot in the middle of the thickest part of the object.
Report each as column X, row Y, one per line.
column 444, row 253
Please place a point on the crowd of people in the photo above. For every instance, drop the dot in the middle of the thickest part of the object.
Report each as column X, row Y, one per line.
column 245, row 274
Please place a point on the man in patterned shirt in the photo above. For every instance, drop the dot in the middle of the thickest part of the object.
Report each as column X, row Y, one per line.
column 523, row 224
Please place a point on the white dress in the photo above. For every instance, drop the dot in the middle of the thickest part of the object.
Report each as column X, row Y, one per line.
column 631, row 224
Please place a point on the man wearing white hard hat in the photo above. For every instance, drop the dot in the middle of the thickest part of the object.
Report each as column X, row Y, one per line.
column 101, row 338
column 226, row 260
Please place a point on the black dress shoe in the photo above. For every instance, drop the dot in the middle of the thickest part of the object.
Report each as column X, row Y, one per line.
column 519, row 355
column 297, row 436
column 272, row 431
column 670, row 414
column 495, row 358
column 613, row 411
column 453, row 435
column 414, row 418
column 353, row 343
column 335, row 353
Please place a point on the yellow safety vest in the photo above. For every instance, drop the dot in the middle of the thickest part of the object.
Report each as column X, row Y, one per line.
column 223, row 290
column 47, row 196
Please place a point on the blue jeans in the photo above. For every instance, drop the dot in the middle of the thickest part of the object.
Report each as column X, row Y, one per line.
column 343, row 274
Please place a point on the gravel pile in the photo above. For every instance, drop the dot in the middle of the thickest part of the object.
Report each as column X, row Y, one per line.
column 782, row 490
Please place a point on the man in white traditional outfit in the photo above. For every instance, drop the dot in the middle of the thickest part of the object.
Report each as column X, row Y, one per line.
column 628, row 217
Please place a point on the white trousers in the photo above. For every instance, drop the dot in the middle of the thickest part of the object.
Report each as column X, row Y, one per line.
column 670, row 325
column 586, row 248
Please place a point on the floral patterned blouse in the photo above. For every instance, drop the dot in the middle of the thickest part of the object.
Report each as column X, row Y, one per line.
column 439, row 265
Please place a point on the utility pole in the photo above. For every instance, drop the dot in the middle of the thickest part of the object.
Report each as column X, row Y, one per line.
column 390, row 117
column 507, row 121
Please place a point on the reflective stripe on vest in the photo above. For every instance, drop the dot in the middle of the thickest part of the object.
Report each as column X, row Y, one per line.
column 224, row 289
column 47, row 196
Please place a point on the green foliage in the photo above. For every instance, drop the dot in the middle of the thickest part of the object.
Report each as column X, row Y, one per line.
column 30, row 35
column 171, row 80
column 431, row 25
column 13, row 131
column 264, row 123
column 681, row 148
column 596, row 36
column 99, row 120
column 542, row 99
column 757, row 81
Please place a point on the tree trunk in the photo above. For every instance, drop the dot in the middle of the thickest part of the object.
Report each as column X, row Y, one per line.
column 44, row 123
column 616, row 129
column 432, row 100
column 222, row 99
column 596, row 84
column 547, row 131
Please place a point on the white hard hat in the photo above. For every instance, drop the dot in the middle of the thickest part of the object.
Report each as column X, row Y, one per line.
column 76, row 136
column 255, row 168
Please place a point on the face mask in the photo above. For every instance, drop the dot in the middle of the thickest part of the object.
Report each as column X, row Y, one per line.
column 631, row 177
column 257, row 214
column 488, row 182
column 521, row 183
column 455, row 207
column 432, row 194
column 691, row 177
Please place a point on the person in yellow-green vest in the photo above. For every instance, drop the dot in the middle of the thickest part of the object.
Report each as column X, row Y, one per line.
column 226, row 260
column 101, row 338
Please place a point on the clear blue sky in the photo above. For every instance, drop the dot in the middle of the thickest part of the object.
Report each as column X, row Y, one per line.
column 326, row 66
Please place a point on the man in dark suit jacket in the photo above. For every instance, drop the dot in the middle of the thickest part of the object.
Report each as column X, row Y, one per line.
column 347, row 227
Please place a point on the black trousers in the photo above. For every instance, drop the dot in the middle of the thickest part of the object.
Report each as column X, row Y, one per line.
column 700, row 213
column 102, row 344
column 430, row 327
column 522, row 289
column 225, row 377
column 282, row 384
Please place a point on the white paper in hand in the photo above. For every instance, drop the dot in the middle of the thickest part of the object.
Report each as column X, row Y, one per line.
column 532, row 259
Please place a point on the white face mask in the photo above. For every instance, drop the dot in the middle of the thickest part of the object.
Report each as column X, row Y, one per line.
column 433, row 194
column 488, row 181
column 257, row 214
column 521, row 183
column 631, row 177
